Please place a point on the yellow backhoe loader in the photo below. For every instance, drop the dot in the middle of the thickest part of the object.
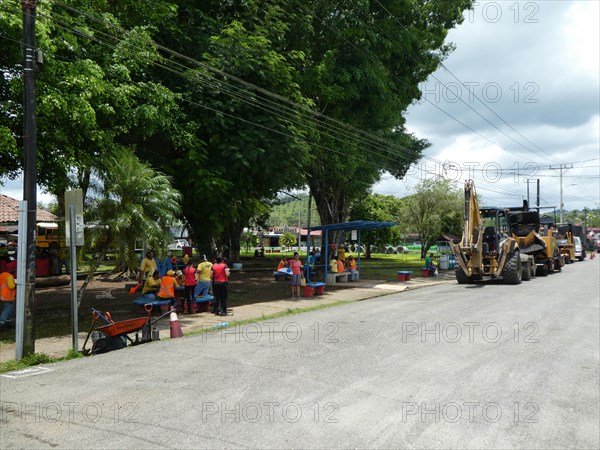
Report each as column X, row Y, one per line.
column 487, row 248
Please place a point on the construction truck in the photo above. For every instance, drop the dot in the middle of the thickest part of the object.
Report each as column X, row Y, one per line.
column 576, row 238
column 486, row 249
column 536, row 241
column 566, row 243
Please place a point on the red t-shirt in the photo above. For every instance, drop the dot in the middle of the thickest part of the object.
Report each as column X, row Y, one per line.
column 219, row 274
column 190, row 276
column 296, row 266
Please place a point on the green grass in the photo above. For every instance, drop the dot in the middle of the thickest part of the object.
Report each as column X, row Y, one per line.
column 34, row 360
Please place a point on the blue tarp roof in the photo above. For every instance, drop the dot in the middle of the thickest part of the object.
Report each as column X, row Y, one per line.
column 355, row 225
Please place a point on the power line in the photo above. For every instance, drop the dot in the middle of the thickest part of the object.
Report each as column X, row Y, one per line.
column 473, row 93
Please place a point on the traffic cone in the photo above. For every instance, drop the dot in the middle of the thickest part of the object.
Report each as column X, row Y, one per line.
column 175, row 326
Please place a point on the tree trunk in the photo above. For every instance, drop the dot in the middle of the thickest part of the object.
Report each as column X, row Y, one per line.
column 233, row 239
column 331, row 205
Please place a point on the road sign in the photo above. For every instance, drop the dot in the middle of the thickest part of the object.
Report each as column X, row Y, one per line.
column 75, row 198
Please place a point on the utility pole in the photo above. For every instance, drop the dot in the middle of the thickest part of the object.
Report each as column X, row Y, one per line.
column 561, row 169
column 30, row 179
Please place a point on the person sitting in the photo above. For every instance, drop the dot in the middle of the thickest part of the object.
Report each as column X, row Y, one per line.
column 341, row 266
column 333, row 265
column 351, row 267
column 151, row 286
column 317, row 254
column 430, row 265
column 168, row 283
column 283, row 264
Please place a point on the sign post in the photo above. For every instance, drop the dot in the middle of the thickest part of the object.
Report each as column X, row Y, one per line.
column 74, row 237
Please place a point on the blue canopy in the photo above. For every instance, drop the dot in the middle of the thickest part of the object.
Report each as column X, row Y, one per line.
column 357, row 225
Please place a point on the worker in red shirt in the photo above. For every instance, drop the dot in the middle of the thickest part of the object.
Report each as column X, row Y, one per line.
column 220, row 276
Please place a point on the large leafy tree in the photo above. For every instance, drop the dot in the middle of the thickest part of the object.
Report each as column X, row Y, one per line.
column 250, row 148
column 436, row 207
column 364, row 62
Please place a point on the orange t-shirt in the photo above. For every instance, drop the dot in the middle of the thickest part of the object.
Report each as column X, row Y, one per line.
column 8, row 289
column 341, row 267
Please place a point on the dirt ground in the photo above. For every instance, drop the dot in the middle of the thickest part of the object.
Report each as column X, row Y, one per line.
column 53, row 311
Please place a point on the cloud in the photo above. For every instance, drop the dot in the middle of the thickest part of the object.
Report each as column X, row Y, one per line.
column 536, row 65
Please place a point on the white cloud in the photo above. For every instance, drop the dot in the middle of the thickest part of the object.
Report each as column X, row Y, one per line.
column 543, row 59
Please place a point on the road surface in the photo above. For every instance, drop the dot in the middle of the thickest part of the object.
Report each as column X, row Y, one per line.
column 479, row 366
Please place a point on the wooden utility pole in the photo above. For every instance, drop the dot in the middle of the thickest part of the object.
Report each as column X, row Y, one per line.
column 30, row 179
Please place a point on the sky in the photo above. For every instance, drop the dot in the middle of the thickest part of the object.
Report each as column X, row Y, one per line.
column 536, row 66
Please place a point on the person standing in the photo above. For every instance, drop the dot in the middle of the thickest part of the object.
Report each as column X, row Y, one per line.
column 341, row 253
column 8, row 292
column 296, row 266
column 220, row 284
column 4, row 253
column 189, row 284
column 148, row 266
column 203, row 275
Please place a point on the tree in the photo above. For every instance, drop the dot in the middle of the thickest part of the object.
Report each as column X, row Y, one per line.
column 364, row 62
column 134, row 202
column 249, row 239
column 377, row 207
column 436, row 207
column 288, row 239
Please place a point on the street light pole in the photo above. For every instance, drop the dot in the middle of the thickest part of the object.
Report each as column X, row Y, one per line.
column 561, row 169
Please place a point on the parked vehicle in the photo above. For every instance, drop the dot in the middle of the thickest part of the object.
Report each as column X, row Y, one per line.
column 178, row 244
column 578, row 248
column 486, row 249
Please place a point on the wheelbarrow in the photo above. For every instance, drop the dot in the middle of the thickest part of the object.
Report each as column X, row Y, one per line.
column 116, row 333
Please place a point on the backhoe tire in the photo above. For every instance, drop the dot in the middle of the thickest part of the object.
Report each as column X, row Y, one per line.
column 462, row 277
column 513, row 270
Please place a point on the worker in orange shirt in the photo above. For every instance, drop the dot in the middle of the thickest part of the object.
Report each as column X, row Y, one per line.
column 351, row 267
column 8, row 293
column 168, row 283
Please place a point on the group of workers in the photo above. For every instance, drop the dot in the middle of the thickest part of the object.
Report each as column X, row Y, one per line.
column 195, row 281
column 339, row 263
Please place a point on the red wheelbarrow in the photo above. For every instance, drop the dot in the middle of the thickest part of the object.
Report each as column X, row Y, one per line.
column 116, row 333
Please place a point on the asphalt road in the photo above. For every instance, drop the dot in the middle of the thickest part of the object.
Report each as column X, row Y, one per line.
column 481, row 366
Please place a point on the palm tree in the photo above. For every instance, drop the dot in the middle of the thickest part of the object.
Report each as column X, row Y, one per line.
column 133, row 202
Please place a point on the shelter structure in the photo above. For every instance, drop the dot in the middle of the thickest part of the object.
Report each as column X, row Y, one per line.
column 358, row 225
